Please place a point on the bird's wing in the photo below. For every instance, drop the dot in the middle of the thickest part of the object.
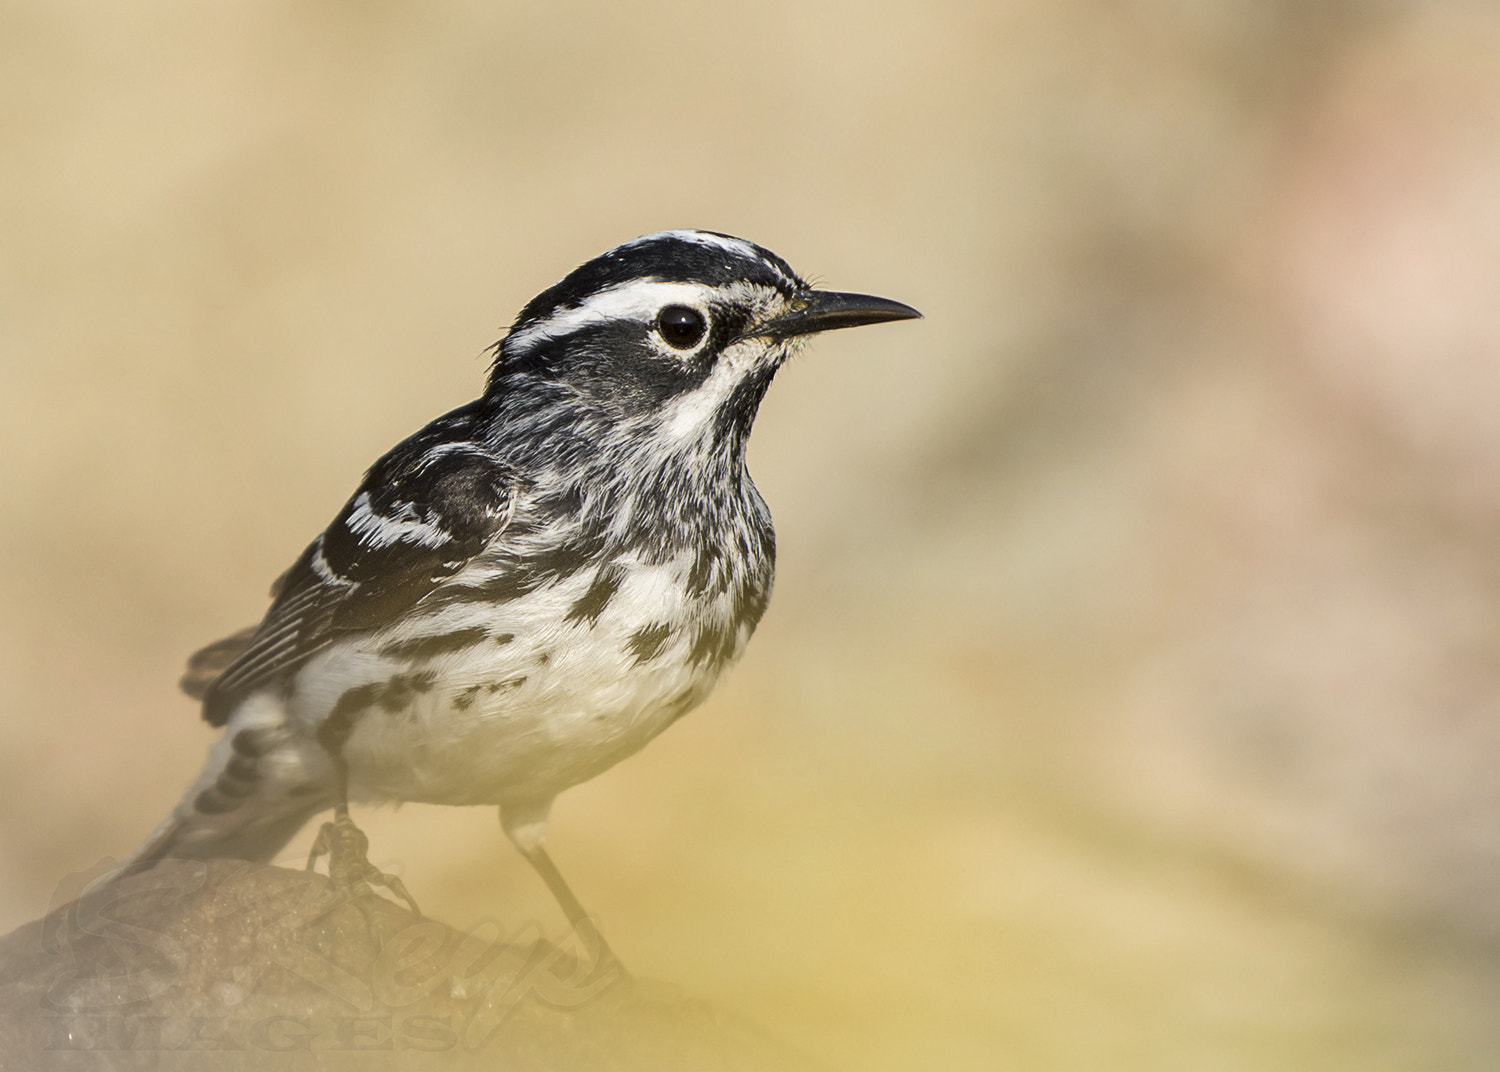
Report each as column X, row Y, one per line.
column 422, row 513
column 206, row 664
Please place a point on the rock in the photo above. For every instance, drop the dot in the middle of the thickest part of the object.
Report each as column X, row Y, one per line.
column 227, row 965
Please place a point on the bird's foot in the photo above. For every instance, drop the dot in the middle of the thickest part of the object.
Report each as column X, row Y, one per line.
column 349, row 866
column 598, row 961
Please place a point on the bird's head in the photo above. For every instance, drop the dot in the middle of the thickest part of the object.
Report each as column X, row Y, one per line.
column 681, row 328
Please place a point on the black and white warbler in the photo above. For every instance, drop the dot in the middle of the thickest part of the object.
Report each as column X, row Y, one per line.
column 533, row 586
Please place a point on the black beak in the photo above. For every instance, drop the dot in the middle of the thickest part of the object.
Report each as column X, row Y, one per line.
column 824, row 310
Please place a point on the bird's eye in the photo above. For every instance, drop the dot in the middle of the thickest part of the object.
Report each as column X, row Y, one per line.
column 681, row 325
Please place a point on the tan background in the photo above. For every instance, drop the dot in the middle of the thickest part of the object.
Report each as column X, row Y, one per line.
column 1129, row 699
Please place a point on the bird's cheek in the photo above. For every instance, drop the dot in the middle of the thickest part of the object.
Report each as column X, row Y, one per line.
column 742, row 358
column 690, row 415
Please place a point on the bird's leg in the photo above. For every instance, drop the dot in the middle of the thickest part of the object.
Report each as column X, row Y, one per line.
column 349, row 866
column 526, row 826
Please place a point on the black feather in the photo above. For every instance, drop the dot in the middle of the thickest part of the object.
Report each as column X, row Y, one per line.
column 423, row 512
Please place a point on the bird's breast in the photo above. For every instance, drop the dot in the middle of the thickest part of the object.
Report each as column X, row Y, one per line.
column 492, row 700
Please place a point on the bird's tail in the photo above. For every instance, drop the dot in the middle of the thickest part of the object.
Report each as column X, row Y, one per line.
column 259, row 786
column 259, row 840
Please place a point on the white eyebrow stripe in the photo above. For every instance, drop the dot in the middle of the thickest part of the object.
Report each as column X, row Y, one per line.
column 639, row 299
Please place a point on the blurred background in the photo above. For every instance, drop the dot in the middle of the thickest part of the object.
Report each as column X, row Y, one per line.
column 1131, row 694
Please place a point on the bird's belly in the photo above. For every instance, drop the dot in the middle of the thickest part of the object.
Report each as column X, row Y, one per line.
column 477, row 738
column 520, row 707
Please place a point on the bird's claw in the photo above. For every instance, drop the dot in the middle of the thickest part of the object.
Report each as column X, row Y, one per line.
column 349, row 867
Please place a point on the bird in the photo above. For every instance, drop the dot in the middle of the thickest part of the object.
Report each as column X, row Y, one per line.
column 531, row 587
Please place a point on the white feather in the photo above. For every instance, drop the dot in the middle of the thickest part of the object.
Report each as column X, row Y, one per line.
column 378, row 531
column 639, row 300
